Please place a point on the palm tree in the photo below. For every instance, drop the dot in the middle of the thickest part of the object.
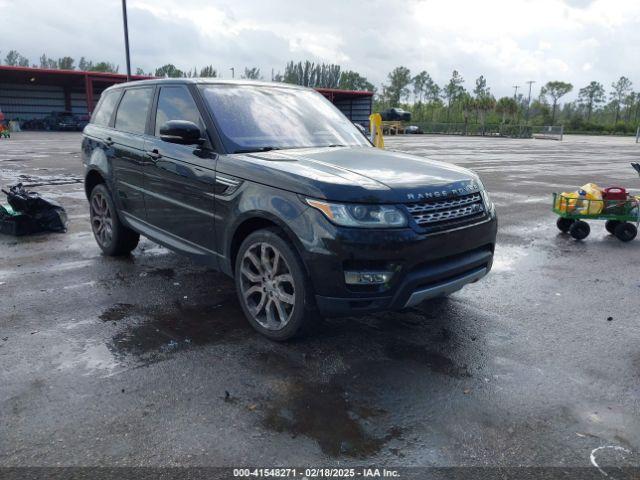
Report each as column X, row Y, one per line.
column 468, row 104
column 507, row 106
column 484, row 104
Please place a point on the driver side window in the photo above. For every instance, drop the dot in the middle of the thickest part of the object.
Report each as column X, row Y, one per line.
column 176, row 103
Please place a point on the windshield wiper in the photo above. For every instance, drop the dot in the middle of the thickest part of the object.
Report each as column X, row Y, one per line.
column 256, row 149
column 269, row 148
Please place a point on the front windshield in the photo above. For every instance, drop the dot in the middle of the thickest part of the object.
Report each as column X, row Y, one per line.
column 258, row 118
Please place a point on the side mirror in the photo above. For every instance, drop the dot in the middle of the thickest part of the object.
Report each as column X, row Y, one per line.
column 182, row 132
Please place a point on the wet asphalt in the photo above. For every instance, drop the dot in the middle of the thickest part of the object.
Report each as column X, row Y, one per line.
column 148, row 360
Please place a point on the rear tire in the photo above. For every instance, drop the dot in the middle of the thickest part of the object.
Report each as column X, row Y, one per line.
column 112, row 236
column 580, row 230
column 626, row 231
column 564, row 224
column 611, row 225
column 273, row 289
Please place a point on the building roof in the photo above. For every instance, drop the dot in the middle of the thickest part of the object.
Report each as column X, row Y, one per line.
column 45, row 76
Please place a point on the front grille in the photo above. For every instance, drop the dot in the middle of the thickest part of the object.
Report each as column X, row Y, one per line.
column 439, row 214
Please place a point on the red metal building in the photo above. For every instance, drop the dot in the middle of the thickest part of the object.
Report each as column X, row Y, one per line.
column 34, row 93
column 28, row 93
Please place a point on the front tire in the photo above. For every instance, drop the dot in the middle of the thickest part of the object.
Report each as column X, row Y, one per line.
column 580, row 230
column 273, row 289
column 113, row 238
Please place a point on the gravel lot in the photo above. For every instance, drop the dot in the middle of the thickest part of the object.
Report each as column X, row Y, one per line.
column 148, row 360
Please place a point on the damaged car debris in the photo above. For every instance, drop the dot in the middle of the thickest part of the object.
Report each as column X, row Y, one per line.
column 29, row 213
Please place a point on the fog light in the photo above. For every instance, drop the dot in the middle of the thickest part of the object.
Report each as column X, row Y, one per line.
column 367, row 278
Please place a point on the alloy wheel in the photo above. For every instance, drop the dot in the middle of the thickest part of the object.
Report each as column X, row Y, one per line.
column 267, row 286
column 101, row 219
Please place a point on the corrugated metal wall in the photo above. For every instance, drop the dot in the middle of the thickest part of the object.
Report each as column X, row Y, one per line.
column 79, row 103
column 356, row 109
column 26, row 102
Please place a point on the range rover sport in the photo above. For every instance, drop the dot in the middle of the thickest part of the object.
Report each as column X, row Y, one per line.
column 272, row 185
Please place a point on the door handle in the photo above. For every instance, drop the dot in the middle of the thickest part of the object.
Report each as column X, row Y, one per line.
column 108, row 142
column 154, row 154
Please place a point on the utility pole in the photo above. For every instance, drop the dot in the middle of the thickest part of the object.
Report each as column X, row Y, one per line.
column 530, row 82
column 233, row 72
column 126, row 38
column 515, row 93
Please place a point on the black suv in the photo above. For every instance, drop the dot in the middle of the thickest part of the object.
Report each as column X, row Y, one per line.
column 272, row 185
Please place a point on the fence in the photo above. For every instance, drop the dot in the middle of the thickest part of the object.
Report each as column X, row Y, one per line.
column 474, row 129
column 549, row 132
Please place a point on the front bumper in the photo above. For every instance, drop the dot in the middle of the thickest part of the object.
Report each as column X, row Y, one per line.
column 425, row 266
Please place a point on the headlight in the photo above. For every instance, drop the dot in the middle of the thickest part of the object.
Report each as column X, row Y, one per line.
column 487, row 200
column 361, row 215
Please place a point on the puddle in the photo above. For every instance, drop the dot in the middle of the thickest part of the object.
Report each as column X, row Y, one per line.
column 325, row 413
column 164, row 331
column 277, row 363
column 309, row 401
column 435, row 361
column 117, row 312
column 93, row 357
column 506, row 257
column 167, row 273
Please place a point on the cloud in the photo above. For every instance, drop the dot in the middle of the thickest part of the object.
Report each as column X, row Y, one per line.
column 507, row 42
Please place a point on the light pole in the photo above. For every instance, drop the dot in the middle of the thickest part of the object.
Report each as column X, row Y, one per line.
column 233, row 72
column 126, row 38
column 530, row 82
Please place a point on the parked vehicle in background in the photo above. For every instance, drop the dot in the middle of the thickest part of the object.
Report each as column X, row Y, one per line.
column 413, row 129
column 274, row 186
column 32, row 124
column 395, row 114
column 64, row 121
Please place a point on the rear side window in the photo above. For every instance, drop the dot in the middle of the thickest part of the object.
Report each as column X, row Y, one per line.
column 176, row 103
column 132, row 112
column 105, row 108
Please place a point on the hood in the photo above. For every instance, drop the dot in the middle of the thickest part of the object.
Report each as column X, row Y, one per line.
column 359, row 174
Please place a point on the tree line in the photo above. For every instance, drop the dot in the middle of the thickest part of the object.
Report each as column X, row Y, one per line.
column 305, row 73
column 15, row 59
column 595, row 110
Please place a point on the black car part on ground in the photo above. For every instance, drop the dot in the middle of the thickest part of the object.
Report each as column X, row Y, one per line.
column 32, row 213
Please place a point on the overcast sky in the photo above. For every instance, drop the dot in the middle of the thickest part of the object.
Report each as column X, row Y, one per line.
column 509, row 42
